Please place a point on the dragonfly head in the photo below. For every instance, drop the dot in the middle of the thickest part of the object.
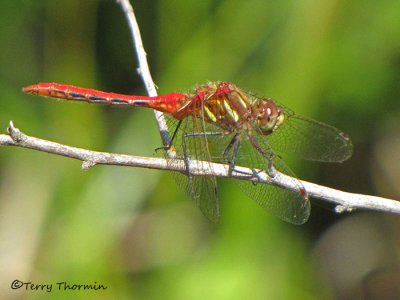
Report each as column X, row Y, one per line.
column 268, row 116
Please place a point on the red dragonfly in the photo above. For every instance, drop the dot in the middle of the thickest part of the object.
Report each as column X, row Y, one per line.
column 219, row 122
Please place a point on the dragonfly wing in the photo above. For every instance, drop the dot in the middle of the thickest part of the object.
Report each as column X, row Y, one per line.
column 289, row 206
column 202, row 189
column 310, row 139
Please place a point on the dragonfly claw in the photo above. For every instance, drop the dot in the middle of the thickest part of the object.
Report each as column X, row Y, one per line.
column 165, row 148
column 271, row 171
column 256, row 175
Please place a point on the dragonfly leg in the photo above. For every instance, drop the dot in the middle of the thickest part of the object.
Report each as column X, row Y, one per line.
column 184, row 149
column 268, row 154
column 170, row 143
column 254, row 174
column 235, row 143
column 271, row 170
column 186, row 158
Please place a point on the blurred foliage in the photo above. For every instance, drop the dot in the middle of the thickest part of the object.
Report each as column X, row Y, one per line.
column 132, row 229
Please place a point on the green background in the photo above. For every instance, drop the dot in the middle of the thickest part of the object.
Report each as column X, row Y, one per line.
column 132, row 229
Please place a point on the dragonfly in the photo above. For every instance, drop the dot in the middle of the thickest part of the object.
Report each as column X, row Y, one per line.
column 218, row 122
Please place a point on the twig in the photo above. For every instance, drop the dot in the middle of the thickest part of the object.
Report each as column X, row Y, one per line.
column 344, row 201
column 143, row 69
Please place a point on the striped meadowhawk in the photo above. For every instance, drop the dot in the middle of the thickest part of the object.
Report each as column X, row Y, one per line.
column 219, row 122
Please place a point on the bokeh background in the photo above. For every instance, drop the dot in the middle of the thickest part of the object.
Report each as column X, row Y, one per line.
column 133, row 230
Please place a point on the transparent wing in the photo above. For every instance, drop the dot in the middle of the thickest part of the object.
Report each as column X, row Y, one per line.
column 310, row 139
column 191, row 142
column 289, row 206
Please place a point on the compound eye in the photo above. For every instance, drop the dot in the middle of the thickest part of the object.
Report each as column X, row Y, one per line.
column 267, row 117
column 268, row 113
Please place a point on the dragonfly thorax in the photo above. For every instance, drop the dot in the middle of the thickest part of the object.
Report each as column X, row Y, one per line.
column 267, row 116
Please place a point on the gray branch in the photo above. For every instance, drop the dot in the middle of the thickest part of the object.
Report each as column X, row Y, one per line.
column 342, row 200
